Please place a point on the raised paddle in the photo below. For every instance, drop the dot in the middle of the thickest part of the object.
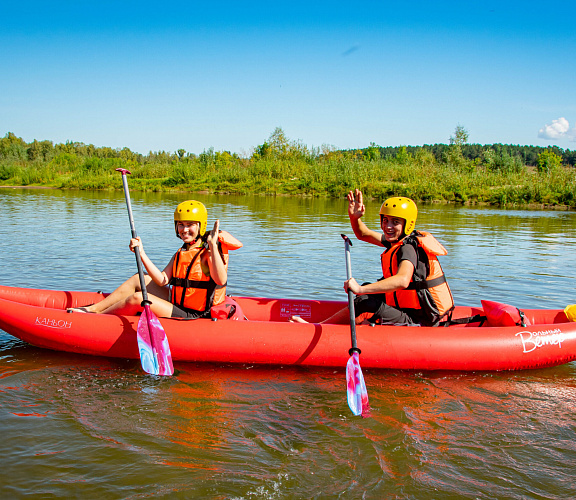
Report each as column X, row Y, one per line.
column 153, row 345
column 356, row 388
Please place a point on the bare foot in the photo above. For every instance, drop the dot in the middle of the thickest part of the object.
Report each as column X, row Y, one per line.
column 78, row 310
column 297, row 319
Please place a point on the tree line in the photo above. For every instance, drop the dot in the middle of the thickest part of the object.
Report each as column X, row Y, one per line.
column 457, row 172
column 527, row 155
column 15, row 148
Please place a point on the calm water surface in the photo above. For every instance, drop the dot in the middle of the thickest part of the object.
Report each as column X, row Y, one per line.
column 77, row 426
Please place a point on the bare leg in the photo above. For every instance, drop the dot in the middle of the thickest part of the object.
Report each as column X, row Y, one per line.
column 339, row 318
column 125, row 293
column 132, row 305
column 297, row 319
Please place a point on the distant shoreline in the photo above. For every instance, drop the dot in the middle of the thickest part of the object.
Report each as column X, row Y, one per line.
column 28, row 187
column 469, row 203
column 459, row 173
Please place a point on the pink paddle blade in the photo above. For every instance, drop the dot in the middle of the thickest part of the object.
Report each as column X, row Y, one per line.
column 155, row 353
column 356, row 388
column 160, row 344
column 147, row 355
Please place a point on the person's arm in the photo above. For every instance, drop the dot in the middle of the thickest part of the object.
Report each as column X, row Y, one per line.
column 217, row 265
column 399, row 281
column 356, row 210
column 161, row 278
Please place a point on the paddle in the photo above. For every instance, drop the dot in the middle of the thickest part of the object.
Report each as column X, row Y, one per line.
column 356, row 388
column 153, row 345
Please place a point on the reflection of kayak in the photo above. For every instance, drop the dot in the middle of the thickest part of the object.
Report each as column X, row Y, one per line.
column 39, row 317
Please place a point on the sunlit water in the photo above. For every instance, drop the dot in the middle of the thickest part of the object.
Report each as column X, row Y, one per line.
column 84, row 427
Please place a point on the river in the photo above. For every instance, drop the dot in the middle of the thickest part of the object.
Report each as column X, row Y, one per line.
column 84, row 427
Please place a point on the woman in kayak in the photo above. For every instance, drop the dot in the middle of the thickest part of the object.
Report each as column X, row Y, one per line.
column 193, row 281
column 413, row 289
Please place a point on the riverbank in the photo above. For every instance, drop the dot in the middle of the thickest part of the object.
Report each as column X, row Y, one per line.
column 26, row 187
column 284, row 168
column 421, row 179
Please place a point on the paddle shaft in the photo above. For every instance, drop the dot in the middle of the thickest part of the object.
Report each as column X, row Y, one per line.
column 347, row 245
column 155, row 355
column 134, row 235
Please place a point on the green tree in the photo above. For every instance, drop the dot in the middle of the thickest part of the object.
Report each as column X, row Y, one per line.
column 403, row 156
column 13, row 147
column 207, row 157
column 42, row 151
column 460, row 136
column 126, row 154
column 278, row 141
column 453, row 156
column 280, row 147
column 500, row 160
column 373, row 152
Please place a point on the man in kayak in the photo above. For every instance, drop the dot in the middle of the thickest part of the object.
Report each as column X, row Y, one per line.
column 193, row 281
column 413, row 289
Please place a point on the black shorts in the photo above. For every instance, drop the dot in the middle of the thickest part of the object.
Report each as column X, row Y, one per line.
column 387, row 315
column 183, row 313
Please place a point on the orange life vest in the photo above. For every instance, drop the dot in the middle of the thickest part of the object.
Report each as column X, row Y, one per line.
column 192, row 286
column 428, row 289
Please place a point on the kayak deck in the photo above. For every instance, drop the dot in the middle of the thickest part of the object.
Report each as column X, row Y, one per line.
column 39, row 317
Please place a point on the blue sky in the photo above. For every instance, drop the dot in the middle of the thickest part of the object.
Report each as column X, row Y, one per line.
column 163, row 76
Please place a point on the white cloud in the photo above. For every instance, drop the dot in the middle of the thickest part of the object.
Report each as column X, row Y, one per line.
column 558, row 129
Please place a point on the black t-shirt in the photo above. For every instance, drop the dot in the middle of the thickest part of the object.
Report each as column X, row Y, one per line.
column 407, row 252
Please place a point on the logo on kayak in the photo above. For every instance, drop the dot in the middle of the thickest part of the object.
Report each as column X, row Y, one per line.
column 533, row 340
column 303, row 310
column 53, row 323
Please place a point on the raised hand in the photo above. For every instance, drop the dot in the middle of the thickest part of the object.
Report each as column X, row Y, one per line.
column 356, row 206
column 212, row 239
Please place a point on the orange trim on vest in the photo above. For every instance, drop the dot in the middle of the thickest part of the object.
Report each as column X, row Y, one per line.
column 228, row 241
column 435, row 300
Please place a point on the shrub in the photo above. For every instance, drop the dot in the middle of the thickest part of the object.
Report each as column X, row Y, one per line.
column 548, row 162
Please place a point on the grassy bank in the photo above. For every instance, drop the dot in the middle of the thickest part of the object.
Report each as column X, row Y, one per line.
column 282, row 167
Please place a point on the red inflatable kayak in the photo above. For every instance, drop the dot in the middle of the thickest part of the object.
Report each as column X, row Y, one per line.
column 39, row 317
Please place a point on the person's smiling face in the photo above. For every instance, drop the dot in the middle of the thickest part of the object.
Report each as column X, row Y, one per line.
column 393, row 227
column 188, row 230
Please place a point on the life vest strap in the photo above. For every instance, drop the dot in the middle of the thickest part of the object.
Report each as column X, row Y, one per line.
column 421, row 285
column 522, row 319
column 201, row 285
column 477, row 318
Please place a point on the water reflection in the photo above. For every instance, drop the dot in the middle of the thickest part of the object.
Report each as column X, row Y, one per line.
column 292, row 246
column 211, row 431
column 257, row 431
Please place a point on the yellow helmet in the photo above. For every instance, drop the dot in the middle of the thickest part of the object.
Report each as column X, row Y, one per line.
column 192, row 211
column 403, row 208
column 571, row 312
